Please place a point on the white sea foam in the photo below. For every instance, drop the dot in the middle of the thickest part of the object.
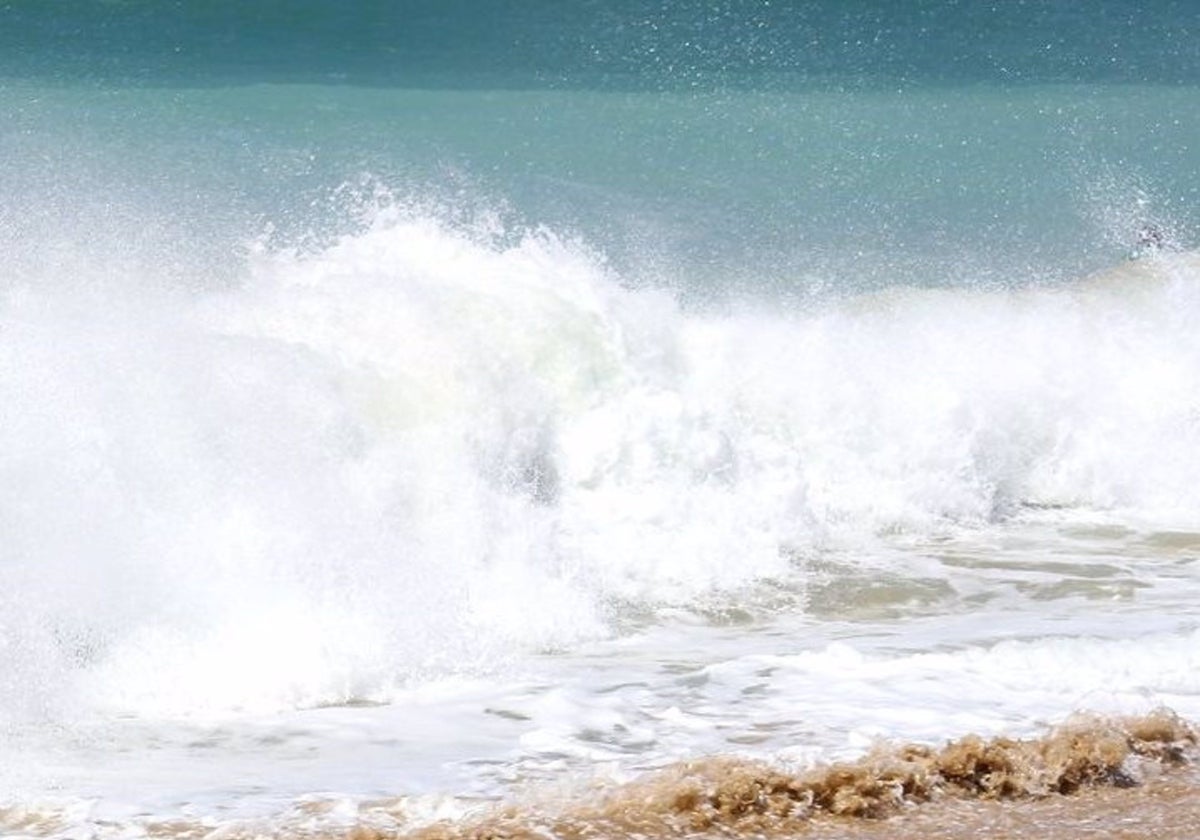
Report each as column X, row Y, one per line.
column 611, row 716
column 425, row 450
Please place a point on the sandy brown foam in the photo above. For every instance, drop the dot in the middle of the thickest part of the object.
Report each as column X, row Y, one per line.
column 731, row 797
column 1164, row 808
column 1129, row 779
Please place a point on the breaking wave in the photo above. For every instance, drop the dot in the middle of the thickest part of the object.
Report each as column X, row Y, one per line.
column 426, row 447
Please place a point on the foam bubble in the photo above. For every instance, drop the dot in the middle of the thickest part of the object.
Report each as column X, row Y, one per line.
column 426, row 449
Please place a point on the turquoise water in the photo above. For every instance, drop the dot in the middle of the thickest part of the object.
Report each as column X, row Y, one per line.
column 742, row 147
column 751, row 192
column 502, row 392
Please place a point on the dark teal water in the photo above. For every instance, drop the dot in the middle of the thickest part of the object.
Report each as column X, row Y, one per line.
column 622, row 43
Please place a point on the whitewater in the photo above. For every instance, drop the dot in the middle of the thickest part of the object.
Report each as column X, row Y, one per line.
column 444, row 512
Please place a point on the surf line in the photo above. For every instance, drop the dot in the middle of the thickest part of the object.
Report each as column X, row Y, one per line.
column 736, row 797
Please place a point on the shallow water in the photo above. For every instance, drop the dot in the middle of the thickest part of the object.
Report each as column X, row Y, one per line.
column 911, row 655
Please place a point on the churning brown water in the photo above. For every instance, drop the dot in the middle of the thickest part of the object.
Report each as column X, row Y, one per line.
column 1132, row 779
column 1094, row 775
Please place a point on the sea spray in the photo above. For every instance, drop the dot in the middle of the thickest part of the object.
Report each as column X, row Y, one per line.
column 421, row 450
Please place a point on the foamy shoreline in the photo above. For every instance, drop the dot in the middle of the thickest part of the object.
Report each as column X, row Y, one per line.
column 1102, row 774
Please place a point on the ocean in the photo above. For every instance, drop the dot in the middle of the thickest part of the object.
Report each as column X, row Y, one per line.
column 492, row 419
